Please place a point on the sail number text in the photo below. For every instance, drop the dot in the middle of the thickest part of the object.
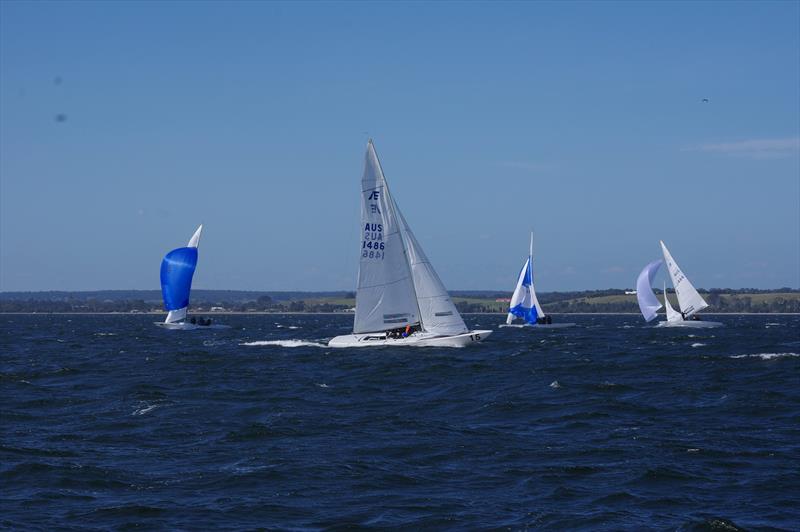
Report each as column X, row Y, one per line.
column 373, row 246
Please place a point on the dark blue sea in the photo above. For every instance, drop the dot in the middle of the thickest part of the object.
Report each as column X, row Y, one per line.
column 108, row 422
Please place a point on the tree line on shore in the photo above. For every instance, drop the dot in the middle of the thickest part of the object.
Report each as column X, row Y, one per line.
column 594, row 301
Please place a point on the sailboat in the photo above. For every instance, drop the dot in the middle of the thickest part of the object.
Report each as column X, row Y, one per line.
column 400, row 299
column 524, row 303
column 690, row 301
column 177, row 269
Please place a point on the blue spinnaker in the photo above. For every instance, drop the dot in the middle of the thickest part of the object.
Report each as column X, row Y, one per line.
column 522, row 305
column 177, row 270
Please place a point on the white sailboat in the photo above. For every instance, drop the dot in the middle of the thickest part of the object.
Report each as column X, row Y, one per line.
column 400, row 299
column 690, row 301
column 524, row 303
column 177, row 270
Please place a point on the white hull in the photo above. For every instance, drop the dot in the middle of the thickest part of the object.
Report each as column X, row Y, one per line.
column 541, row 325
column 691, row 324
column 182, row 326
column 415, row 340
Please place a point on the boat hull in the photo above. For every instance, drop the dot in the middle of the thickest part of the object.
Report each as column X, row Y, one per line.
column 180, row 326
column 415, row 340
column 690, row 324
column 541, row 325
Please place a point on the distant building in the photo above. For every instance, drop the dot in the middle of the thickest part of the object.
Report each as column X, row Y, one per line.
column 217, row 309
column 630, row 292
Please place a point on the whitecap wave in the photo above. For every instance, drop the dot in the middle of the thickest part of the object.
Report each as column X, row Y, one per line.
column 698, row 344
column 767, row 356
column 555, row 384
column 285, row 343
column 143, row 409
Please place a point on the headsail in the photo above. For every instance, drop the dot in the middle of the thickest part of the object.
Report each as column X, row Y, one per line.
column 535, row 299
column 688, row 298
column 177, row 269
column 648, row 302
column 385, row 298
column 438, row 314
column 672, row 314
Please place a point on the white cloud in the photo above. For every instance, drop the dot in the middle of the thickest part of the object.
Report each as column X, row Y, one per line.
column 754, row 148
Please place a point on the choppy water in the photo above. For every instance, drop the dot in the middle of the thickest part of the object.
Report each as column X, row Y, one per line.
column 109, row 422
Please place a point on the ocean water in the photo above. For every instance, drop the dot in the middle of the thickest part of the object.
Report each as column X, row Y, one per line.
column 108, row 422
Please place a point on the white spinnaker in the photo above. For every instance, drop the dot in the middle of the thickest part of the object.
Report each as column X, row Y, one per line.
column 385, row 298
column 672, row 314
column 688, row 298
column 180, row 314
column 438, row 314
column 648, row 302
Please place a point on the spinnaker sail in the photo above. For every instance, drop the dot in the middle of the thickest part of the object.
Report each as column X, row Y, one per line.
column 177, row 270
column 524, row 303
column 648, row 302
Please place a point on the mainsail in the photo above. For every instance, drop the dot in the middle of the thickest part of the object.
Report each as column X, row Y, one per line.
column 385, row 298
column 524, row 303
column 689, row 300
column 648, row 302
column 177, row 270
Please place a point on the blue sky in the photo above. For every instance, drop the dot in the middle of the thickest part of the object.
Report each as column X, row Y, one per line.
column 583, row 121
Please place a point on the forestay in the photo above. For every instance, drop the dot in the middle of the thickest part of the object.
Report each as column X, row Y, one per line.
column 438, row 314
column 385, row 298
column 648, row 302
column 689, row 300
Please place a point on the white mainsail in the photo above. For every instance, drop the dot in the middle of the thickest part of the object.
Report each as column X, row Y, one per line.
column 385, row 298
column 438, row 314
column 180, row 314
column 689, row 300
column 672, row 314
column 648, row 302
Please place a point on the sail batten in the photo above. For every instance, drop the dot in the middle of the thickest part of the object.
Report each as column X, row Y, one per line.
column 689, row 300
